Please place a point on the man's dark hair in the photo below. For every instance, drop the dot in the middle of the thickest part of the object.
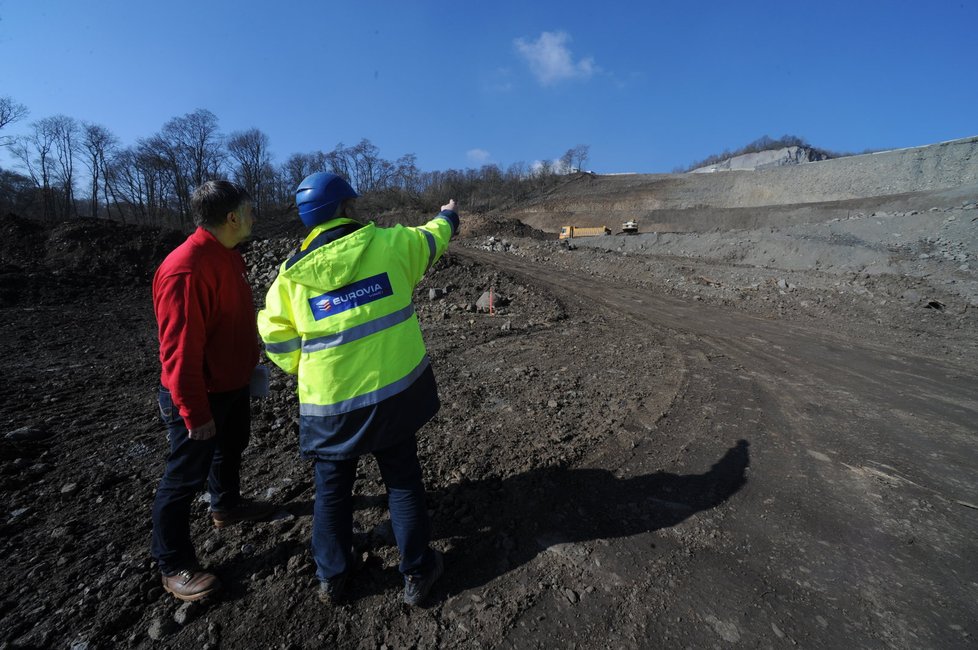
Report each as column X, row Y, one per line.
column 212, row 201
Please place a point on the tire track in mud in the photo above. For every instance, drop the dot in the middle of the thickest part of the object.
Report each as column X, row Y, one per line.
column 849, row 529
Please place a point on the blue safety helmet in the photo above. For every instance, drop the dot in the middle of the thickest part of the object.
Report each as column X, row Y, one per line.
column 319, row 196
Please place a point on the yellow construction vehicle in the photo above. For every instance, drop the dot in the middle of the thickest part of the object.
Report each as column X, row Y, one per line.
column 569, row 232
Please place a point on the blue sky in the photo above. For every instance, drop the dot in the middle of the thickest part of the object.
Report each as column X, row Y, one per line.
column 648, row 86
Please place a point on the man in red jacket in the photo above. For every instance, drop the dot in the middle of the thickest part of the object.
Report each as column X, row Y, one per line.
column 208, row 350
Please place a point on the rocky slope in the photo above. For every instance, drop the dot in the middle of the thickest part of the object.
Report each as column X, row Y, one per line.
column 794, row 155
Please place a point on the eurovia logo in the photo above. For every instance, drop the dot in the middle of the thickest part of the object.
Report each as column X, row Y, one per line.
column 353, row 295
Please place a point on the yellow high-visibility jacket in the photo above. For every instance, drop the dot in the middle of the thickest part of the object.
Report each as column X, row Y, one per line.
column 340, row 315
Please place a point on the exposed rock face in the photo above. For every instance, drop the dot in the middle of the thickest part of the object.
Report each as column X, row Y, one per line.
column 675, row 202
column 765, row 159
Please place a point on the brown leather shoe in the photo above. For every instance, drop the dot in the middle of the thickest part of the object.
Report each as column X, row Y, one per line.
column 244, row 511
column 191, row 585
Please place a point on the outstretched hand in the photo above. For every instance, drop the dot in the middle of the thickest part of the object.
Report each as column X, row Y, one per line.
column 450, row 206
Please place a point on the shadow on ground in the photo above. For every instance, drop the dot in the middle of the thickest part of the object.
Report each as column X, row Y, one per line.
column 515, row 519
column 494, row 526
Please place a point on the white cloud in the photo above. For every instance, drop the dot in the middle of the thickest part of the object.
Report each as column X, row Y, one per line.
column 551, row 60
column 478, row 156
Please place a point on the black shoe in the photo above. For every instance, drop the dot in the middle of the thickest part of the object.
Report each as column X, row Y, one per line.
column 246, row 510
column 333, row 590
column 417, row 587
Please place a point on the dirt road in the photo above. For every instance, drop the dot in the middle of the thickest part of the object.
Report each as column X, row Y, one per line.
column 857, row 523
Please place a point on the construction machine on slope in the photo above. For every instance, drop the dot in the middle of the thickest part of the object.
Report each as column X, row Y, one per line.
column 569, row 232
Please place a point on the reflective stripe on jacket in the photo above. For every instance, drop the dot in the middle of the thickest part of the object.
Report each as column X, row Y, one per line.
column 340, row 315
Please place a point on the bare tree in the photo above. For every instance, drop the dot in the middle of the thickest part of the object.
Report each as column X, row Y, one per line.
column 158, row 166
column 249, row 149
column 164, row 161
column 142, row 183
column 116, row 173
column 339, row 161
column 490, row 184
column 407, row 176
column 10, row 111
column 368, row 172
column 275, row 192
column 35, row 153
column 565, row 164
column 517, row 170
column 127, row 184
column 17, row 192
column 97, row 143
column 579, row 156
column 190, row 150
column 201, row 143
column 361, row 165
column 296, row 168
column 66, row 134
column 281, row 190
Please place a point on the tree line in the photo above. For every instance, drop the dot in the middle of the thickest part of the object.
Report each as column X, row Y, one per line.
column 71, row 168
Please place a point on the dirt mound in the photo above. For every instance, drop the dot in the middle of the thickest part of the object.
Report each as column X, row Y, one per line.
column 94, row 247
column 21, row 240
column 485, row 225
column 38, row 258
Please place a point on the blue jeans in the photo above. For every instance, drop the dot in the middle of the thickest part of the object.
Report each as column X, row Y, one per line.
column 332, row 522
column 191, row 464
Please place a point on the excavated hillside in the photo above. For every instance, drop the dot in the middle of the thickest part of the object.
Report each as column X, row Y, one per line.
column 743, row 199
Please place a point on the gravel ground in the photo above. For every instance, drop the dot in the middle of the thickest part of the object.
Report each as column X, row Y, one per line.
column 910, row 274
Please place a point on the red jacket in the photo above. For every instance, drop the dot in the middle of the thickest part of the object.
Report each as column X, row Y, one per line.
column 206, row 318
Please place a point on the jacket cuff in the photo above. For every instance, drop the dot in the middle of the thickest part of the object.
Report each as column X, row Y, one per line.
column 452, row 217
column 196, row 420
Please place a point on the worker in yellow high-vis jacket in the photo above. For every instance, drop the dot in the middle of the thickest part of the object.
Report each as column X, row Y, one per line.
column 340, row 315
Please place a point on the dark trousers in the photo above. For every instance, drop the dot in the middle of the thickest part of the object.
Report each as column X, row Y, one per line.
column 332, row 523
column 191, row 464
